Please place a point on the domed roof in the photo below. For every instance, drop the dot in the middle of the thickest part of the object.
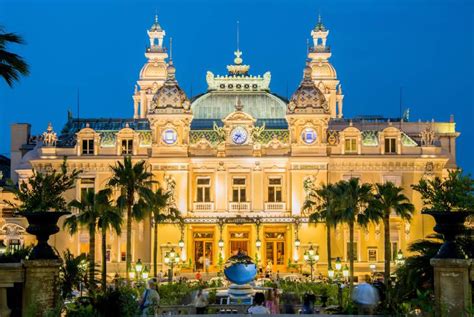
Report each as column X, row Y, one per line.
column 308, row 98
column 323, row 70
column 153, row 70
column 170, row 98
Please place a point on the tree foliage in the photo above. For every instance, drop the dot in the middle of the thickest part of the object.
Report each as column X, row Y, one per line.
column 44, row 191
column 12, row 66
column 453, row 193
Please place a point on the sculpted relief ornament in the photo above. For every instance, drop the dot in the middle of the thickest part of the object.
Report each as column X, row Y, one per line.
column 428, row 135
column 49, row 137
column 171, row 189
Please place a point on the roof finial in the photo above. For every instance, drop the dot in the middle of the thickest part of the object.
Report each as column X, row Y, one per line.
column 171, row 48
column 156, row 17
column 238, row 35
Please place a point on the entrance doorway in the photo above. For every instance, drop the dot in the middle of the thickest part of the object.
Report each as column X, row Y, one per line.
column 239, row 241
column 203, row 250
column 275, row 250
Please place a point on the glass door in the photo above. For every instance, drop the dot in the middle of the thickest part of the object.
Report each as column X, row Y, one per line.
column 203, row 250
column 275, row 251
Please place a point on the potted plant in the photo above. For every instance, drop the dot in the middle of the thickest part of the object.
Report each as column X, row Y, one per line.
column 449, row 201
column 40, row 200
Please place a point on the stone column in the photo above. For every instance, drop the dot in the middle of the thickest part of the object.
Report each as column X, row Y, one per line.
column 41, row 286
column 452, row 286
column 4, row 310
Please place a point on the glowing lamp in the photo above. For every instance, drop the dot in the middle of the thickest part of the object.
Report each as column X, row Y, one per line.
column 331, row 272
column 372, row 266
column 316, row 257
column 131, row 275
column 311, row 251
column 145, row 273
column 345, row 271
column 338, row 264
column 297, row 243
column 172, row 253
column 258, row 243
column 139, row 266
column 181, row 243
column 220, row 244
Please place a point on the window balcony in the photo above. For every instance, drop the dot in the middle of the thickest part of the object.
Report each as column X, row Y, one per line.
column 203, row 206
column 239, row 206
column 275, row 206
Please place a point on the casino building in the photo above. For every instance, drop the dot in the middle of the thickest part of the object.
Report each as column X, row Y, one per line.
column 239, row 160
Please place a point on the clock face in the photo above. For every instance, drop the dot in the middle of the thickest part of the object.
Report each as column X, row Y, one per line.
column 169, row 136
column 308, row 136
column 239, row 135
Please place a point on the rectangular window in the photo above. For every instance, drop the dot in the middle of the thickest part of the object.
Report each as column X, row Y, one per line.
column 239, row 189
column 88, row 147
column 274, row 190
column 393, row 250
column 87, row 185
column 372, row 254
column 390, row 146
column 127, row 147
column 350, row 145
column 348, row 247
column 203, row 194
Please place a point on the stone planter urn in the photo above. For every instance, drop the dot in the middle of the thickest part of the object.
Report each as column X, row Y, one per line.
column 450, row 224
column 43, row 224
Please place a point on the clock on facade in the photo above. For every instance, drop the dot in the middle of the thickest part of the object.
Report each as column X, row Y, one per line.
column 169, row 136
column 239, row 135
column 308, row 136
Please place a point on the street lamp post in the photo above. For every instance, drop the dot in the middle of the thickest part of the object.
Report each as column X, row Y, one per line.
column 311, row 257
column 336, row 276
column 400, row 260
column 171, row 259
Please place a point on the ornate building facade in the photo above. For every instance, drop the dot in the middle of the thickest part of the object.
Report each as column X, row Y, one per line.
column 239, row 160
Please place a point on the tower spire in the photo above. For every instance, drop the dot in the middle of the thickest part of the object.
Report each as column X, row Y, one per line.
column 238, row 35
column 171, row 48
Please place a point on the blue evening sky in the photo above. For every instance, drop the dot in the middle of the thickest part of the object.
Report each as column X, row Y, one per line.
column 97, row 47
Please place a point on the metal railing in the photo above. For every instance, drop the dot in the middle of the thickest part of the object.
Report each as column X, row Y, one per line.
column 275, row 206
column 203, row 206
column 239, row 206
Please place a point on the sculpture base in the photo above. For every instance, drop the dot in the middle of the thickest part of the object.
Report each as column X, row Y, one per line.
column 240, row 294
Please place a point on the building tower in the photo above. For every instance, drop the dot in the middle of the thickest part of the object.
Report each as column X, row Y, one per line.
column 323, row 73
column 170, row 117
column 308, row 116
column 153, row 73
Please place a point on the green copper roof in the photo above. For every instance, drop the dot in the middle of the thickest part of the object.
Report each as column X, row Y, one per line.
column 217, row 105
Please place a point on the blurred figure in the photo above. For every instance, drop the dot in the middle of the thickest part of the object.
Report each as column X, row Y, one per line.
column 288, row 299
column 272, row 302
column 366, row 297
column 150, row 300
column 198, row 276
column 308, row 304
column 258, row 307
column 200, row 302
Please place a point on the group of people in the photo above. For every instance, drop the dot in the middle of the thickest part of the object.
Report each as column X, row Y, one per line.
column 364, row 295
column 270, row 305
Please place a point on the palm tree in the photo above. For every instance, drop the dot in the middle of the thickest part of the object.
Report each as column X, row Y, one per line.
column 389, row 200
column 321, row 203
column 11, row 65
column 161, row 211
column 134, row 182
column 352, row 198
column 110, row 218
column 87, row 216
